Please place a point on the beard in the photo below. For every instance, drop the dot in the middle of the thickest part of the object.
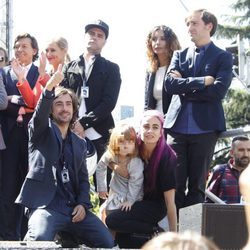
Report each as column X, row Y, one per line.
column 242, row 162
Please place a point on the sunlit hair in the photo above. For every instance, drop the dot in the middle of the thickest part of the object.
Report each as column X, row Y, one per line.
column 34, row 43
column 238, row 138
column 5, row 54
column 172, row 44
column 121, row 133
column 180, row 241
column 160, row 150
column 59, row 91
column 207, row 17
column 62, row 43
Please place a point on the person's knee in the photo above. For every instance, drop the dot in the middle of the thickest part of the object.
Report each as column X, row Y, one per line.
column 109, row 222
column 39, row 234
column 107, row 242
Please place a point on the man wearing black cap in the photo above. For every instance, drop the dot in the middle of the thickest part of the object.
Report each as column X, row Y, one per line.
column 96, row 82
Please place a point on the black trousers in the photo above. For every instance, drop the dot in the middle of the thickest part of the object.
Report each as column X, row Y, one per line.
column 14, row 170
column 142, row 218
column 101, row 146
column 194, row 156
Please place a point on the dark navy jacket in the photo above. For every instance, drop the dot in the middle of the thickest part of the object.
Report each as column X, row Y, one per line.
column 207, row 101
column 45, row 147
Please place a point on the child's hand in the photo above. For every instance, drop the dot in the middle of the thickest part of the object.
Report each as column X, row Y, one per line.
column 126, row 206
column 103, row 195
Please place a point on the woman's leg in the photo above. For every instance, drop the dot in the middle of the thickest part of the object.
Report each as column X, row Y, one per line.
column 142, row 218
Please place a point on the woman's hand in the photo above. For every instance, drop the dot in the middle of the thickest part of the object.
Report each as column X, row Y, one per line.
column 42, row 64
column 103, row 195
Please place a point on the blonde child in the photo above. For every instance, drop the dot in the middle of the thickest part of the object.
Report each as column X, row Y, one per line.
column 123, row 151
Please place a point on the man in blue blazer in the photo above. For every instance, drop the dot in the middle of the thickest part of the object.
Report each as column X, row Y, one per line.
column 56, row 188
column 15, row 132
column 198, row 79
column 96, row 82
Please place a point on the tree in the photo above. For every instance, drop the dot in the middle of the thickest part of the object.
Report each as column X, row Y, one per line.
column 239, row 23
column 237, row 108
column 237, row 112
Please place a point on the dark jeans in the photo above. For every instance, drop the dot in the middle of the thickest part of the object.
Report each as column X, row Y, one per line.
column 45, row 223
column 194, row 155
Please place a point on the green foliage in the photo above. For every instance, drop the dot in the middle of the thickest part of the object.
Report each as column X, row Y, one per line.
column 237, row 24
column 94, row 197
column 237, row 113
column 237, row 108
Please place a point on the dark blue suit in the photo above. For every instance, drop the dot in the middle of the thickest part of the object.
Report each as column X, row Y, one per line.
column 41, row 183
column 195, row 150
column 15, row 156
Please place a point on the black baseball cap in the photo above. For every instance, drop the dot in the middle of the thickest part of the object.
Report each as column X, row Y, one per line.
column 100, row 25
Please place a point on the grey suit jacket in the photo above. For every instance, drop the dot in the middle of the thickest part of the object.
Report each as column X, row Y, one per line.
column 45, row 145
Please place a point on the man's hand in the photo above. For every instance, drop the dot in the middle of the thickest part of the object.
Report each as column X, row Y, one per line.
column 126, row 206
column 56, row 79
column 78, row 129
column 19, row 70
column 175, row 74
column 209, row 80
column 78, row 213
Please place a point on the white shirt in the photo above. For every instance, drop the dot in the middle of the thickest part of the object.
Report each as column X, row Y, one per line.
column 91, row 133
column 158, row 85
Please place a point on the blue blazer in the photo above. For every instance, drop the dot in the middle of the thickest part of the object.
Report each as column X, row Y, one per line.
column 45, row 147
column 207, row 101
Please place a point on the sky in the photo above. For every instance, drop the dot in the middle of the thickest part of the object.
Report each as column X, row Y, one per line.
column 130, row 21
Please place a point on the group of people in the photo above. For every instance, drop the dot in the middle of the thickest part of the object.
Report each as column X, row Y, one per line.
column 47, row 115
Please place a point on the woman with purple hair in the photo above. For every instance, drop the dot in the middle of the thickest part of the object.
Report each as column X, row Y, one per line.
column 159, row 183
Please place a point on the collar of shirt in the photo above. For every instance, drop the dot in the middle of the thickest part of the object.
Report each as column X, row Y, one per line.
column 88, row 65
column 202, row 48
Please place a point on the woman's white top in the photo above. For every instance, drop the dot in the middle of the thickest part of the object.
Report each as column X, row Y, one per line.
column 158, row 85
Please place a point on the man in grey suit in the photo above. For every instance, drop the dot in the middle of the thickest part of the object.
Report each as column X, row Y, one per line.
column 56, row 188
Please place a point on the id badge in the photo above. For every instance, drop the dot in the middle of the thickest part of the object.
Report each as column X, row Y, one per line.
column 85, row 92
column 65, row 175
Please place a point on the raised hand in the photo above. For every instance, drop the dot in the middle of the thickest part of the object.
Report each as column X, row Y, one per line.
column 42, row 64
column 19, row 70
column 55, row 80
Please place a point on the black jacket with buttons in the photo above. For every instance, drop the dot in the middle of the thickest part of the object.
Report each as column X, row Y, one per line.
column 104, row 85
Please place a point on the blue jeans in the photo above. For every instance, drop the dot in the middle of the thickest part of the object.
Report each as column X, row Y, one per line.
column 44, row 224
